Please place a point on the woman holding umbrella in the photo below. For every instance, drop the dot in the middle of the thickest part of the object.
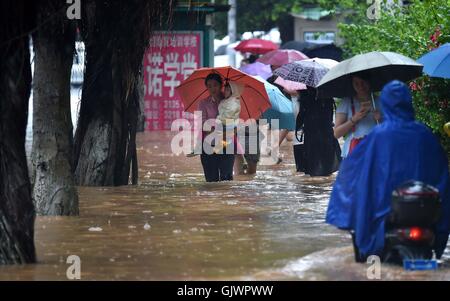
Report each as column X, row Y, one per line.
column 275, row 59
column 357, row 78
column 319, row 154
column 208, row 82
column 217, row 167
column 355, row 116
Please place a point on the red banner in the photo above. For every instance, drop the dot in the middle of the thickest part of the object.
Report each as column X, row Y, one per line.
column 170, row 58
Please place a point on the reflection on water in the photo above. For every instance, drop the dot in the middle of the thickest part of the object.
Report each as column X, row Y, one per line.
column 174, row 226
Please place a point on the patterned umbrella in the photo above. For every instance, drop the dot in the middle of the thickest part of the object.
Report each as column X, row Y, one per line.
column 306, row 72
column 294, row 86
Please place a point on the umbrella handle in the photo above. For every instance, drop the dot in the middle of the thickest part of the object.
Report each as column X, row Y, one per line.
column 373, row 104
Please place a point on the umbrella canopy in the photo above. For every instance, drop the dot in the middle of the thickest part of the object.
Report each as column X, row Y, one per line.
column 436, row 63
column 382, row 67
column 282, row 56
column 328, row 63
column 286, row 121
column 257, row 68
column 221, row 50
column 254, row 98
column 306, row 72
column 290, row 85
column 281, row 109
column 256, row 46
column 295, row 86
column 278, row 101
column 329, row 51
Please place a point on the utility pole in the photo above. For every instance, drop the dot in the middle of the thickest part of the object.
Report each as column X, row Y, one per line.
column 232, row 32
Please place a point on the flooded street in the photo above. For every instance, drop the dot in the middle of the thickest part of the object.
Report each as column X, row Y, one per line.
column 370, row 76
column 174, row 226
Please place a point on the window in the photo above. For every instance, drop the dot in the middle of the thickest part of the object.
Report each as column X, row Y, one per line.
column 321, row 36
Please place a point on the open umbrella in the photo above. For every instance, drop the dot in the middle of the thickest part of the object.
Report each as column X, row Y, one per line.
column 382, row 68
column 281, row 109
column 281, row 56
column 289, row 85
column 278, row 101
column 328, row 63
column 329, row 51
column 294, row 86
column 256, row 46
column 254, row 98
column 305, row 72
column 436, row 63
column 257, row 68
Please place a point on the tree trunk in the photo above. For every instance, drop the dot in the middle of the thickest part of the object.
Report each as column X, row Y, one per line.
column 133, row 112
column 141, row 116
column 16, row 206
column 116, row 35
column 93, row 150
column 54, row 192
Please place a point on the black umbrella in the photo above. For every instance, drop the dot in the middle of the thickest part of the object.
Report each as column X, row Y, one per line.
column 325, row 51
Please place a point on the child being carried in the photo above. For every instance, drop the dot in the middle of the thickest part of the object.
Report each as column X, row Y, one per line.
column 229, row 110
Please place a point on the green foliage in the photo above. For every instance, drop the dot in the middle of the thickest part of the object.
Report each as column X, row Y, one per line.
column 262, row 15
column 411, row 30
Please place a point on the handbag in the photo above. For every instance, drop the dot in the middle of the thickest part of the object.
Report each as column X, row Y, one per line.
column 354, row 141
column 300, row 154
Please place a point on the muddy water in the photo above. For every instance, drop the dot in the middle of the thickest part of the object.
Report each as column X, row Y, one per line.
column 174, row 226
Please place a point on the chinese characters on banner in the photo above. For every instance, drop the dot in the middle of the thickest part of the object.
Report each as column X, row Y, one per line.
column 170, row 58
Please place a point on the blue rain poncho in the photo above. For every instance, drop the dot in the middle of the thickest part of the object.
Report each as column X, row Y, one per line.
column 397, row 150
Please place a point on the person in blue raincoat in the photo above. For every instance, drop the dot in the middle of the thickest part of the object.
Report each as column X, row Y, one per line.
column 398, row 150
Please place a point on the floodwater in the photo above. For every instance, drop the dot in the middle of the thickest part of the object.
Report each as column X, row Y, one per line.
column 174, row 226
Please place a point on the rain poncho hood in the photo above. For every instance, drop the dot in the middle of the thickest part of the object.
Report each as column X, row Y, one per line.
column 398, row 150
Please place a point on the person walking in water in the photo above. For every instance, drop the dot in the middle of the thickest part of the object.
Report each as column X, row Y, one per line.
column 398, row 150
column 321, row 153
column 216, row 166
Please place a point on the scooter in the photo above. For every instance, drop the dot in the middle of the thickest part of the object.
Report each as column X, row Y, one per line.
column 410, row 226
